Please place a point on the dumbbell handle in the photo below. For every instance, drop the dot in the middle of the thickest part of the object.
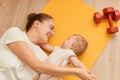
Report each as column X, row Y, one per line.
column 110, row 20
column 109, row 17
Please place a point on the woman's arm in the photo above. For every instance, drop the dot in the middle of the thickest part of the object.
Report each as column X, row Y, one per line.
column 22, row 51
column 77, row 63
column 47, row 47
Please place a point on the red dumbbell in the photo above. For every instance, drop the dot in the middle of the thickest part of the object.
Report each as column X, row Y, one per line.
column 110, row 14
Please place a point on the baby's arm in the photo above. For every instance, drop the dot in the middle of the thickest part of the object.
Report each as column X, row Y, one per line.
column 47, row 47
column 77, row 63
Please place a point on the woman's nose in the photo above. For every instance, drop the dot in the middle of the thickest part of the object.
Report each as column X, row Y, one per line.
column 52, row 32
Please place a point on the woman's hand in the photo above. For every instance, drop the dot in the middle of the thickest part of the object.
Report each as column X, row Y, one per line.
column 92, row 75
column 84, row 75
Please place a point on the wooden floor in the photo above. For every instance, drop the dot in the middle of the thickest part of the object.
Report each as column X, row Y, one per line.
column 14, row 13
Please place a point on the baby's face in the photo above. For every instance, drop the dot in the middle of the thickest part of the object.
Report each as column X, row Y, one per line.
column 69, row 42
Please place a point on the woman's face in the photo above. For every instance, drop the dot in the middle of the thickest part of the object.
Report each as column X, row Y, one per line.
column 46, row 30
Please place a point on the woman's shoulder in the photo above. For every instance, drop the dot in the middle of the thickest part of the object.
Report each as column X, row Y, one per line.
column 13, row 29
column 12, row 34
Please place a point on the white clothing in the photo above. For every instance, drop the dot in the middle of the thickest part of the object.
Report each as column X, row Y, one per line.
column 11, row 67
column 59, row 57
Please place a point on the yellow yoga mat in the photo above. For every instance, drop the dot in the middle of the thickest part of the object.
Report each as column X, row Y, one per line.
column 76, row 17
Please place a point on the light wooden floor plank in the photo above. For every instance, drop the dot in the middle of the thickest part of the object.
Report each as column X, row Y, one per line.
column 14, row 12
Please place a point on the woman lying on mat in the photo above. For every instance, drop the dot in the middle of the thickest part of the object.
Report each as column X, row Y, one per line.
column 21, row 57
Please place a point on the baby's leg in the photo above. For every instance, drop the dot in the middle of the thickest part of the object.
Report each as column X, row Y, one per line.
column 54, row 78
column 37, row 77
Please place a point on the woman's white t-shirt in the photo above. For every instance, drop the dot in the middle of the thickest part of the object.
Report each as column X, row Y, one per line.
column 11, row 67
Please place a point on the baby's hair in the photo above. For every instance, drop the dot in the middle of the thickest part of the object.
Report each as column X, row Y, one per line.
column 81, row 44
column 33, row 17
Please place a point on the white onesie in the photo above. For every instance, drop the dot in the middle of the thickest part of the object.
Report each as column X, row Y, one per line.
column 59, row 57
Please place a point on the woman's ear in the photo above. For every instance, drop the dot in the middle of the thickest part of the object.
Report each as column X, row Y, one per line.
column 37, row 23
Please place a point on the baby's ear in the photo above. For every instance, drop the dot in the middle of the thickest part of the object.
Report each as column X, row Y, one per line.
column 73, row 46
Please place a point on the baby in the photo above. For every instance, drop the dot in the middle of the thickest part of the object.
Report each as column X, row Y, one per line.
column 65, row 55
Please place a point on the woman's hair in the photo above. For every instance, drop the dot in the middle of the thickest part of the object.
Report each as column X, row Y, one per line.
column 81, row 44
column 33, row 17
